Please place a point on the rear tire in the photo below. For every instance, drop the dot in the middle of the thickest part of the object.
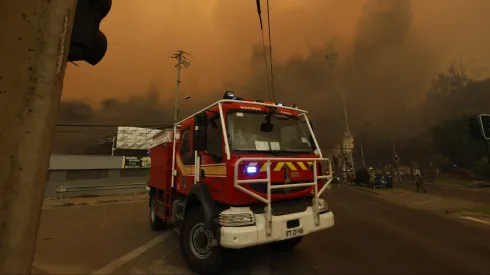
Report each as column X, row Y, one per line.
column 200, row 256
column 286, row 245
column 156, row 223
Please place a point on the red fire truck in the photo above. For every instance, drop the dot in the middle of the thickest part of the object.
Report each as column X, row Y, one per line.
column 236, row 174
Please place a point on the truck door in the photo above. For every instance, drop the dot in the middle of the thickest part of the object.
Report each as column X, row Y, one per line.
column 184, row 179
column 213, row 162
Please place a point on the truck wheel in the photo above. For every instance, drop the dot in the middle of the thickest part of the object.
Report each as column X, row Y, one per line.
column 286, row 245
column 156, row 222
column 196, row 245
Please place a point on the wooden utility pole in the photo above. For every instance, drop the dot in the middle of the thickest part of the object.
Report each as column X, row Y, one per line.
column 180, row 56
column 35, row 38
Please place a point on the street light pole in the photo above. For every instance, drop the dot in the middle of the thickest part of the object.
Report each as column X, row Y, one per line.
column 348, row 131
column 397, row 163
column 362, row 156
column 331, row 59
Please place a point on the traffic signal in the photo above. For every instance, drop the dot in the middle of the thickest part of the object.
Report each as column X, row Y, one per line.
column 87, row 42
column 395, row 157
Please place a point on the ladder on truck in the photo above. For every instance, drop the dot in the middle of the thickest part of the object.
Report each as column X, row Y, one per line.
column 166, row 202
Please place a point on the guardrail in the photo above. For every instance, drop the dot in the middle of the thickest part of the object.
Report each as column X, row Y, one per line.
column 60, row 190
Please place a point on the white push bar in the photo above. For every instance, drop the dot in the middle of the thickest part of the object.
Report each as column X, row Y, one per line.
column 238, row 182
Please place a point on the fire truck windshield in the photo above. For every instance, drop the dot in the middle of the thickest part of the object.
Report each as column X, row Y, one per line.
column 287, row 134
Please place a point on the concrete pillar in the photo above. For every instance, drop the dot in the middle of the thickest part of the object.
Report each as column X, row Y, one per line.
column 35, row 37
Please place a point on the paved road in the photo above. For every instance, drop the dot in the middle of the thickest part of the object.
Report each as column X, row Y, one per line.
column 370, row 236
column 464, row 193
column 81, row 239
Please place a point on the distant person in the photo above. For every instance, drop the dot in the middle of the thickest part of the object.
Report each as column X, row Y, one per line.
column 419, row 183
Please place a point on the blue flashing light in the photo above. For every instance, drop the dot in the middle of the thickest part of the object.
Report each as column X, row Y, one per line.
column 229, row 95
column 279, row 104
column 251, row 169
column 233, row 98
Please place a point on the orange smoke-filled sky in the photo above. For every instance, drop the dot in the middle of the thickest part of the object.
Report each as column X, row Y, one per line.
column 220, row 35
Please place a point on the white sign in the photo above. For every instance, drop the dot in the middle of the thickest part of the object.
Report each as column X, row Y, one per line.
column 275, row 146
column 261, row 145
column 163, row 137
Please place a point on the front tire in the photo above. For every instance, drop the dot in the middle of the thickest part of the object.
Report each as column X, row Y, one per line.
column 156, row 223
column 196, row 245
column 286, row 245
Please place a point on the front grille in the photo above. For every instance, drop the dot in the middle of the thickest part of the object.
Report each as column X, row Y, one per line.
column 280, row 208
column 262, row 188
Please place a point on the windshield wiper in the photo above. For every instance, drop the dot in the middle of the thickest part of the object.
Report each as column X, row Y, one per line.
column 257, row 152
column 282, row 152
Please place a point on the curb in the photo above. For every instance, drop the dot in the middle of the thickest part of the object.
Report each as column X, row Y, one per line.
column 474, row 214
column 369, row 190
column 364, row 189
column 85, row 203
column 457, row 187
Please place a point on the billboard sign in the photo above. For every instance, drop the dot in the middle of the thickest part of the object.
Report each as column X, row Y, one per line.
column 137, row 162
column 135, row 138
column 162, row 137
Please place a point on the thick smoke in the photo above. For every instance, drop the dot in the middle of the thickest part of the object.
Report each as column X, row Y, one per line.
column 377, row 72
column 72, row 137
column 388, row 53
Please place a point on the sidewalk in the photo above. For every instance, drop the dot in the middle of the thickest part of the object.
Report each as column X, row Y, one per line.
column 434, row 203
column 53, row 203
column 479, row 186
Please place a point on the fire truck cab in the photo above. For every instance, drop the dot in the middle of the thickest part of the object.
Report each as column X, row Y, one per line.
column 236, row 174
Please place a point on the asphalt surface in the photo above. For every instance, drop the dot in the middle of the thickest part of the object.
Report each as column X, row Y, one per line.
column 371, row 235
column 479, row 195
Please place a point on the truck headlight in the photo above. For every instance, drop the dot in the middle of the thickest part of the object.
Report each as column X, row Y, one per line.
column 322, row 205
column 237, row 216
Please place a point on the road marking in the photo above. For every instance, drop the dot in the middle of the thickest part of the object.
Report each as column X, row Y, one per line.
column 105, row 219
column 424, row 202
column 476, row 220
column 112, row 266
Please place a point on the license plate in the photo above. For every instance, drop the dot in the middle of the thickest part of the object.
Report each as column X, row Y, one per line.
column 294, row 232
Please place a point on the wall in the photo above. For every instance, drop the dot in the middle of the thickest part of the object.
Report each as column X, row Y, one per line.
column 81, row 170
column 73, row 162
column 105, row 177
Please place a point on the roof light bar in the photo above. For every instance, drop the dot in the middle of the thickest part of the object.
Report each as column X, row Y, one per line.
column 231, row 96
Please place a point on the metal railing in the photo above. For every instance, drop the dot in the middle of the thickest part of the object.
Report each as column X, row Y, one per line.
column 238, row 182
column 60, row 190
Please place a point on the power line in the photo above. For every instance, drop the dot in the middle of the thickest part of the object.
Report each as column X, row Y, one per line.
column 211, row 69
column 265, row 52
column 113, row 125
column 270, row 48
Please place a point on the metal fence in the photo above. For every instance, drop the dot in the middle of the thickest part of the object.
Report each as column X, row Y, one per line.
column 95, row 174
column 137, row 187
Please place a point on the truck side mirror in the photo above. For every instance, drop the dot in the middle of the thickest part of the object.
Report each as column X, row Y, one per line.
column 200, row 132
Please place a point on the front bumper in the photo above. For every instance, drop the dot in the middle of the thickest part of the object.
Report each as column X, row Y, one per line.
column 246, row 236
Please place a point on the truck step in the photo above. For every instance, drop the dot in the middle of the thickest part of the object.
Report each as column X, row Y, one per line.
column 177, row 229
